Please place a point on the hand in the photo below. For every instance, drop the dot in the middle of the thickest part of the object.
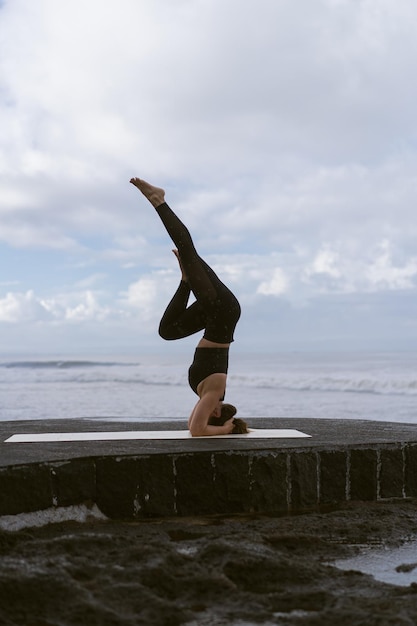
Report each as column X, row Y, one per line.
column 184, row 276
column 228, row 426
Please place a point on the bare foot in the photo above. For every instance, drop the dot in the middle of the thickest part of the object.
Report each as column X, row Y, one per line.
column 155, row 195
column 184, row 275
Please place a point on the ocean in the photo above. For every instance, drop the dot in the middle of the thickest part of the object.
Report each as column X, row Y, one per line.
column 372, row 386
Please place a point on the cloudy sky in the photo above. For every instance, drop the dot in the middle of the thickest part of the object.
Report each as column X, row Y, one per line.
column 284, row 133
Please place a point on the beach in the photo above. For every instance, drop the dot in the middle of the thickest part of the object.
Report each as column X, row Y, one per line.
column 208, row 571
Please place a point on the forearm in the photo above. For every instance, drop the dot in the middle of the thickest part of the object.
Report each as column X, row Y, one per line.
column 203, row 429
column 208, row 431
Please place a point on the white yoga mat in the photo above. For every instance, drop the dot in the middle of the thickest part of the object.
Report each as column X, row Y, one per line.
column 261, row 433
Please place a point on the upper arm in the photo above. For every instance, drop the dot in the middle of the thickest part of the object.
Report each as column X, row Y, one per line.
column 202, row 411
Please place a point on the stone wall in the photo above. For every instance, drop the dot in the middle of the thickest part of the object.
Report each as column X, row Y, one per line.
column 214, row 483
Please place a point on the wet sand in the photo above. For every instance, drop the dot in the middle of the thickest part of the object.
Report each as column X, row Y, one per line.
column 206, row 571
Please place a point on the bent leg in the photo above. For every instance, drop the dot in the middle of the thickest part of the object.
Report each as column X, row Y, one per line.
column 178, row 321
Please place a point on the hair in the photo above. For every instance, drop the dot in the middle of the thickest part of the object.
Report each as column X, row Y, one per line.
column 228, row 411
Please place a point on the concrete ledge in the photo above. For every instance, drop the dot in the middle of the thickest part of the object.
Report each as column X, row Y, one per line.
column 344, row 460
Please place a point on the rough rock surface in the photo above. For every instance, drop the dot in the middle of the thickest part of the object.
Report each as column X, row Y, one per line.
column 206, row 571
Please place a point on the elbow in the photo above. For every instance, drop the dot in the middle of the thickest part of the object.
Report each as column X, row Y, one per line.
column 196, row 432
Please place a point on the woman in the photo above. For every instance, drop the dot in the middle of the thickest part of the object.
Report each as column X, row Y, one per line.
column 216, row 310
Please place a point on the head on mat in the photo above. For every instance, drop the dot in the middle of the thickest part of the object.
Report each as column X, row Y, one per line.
column 227, row 412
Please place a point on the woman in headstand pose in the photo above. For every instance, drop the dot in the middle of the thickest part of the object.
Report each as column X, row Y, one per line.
column 216, row 310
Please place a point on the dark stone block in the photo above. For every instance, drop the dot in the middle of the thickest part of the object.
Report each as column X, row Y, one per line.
column 25, row 489
column 303, row 478
column 410, row 478
column 231, row 483
column 363, row 475
column 156, row 487
column 333, row 474
column 135, row 487
column 74, row 482
column 117, row 486
column 195, row 486
column 268, row 483
column 392, row 473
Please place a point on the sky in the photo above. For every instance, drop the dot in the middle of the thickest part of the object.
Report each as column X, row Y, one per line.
column 284, row 133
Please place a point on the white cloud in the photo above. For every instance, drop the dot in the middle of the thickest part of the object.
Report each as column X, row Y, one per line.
column 335, row 269
column 383, row 274
column 149, row 295
column 17, row 307
column 22, row 307
column 325, row 263
column 142, row 295
column 275, row 286
column 89, row 309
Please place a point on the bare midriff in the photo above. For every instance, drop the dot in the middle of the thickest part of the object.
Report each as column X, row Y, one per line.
column 206, row 343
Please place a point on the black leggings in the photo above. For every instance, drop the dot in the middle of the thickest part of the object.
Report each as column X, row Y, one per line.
column 216, row 308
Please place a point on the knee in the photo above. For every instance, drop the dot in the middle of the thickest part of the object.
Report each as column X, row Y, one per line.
column 162, row 332
column 165, row 332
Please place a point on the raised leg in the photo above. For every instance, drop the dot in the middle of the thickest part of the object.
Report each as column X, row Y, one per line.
column 199, row 279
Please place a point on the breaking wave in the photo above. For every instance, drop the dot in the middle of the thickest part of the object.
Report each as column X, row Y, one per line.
column 62, row 364
column 369, row 385
column 161, row 373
